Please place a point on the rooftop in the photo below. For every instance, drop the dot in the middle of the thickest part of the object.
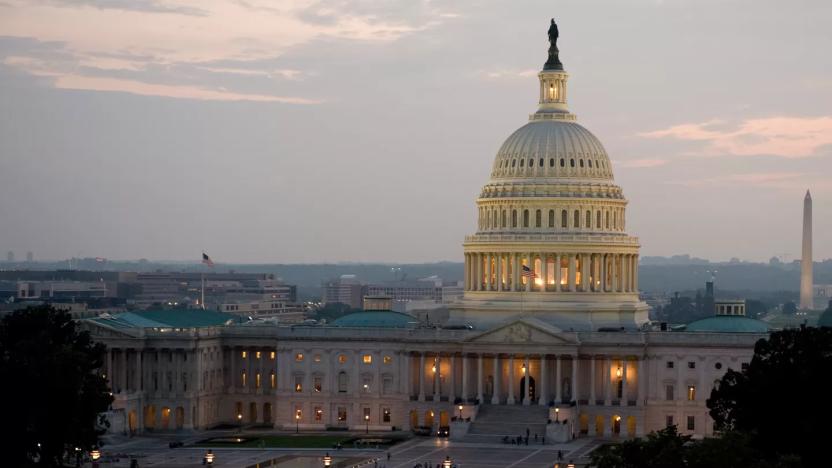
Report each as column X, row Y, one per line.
column 167, row 318
column 728, row 324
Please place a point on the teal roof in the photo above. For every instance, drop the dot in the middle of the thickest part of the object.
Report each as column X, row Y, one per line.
column 167, row 318
column 377, row 319
column 728, row 324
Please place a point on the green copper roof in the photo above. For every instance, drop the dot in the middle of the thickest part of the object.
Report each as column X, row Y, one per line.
column 167, row 318
column 728, row 324
column 377, row 319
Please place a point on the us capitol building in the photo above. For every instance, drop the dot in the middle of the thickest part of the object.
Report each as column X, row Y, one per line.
column 558, row 339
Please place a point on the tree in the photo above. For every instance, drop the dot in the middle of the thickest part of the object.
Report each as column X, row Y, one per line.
column 789, row 308
column 52, row 391
column 781, row 400
column 662, row 449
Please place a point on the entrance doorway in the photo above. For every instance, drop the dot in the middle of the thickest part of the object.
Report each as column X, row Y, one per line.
column 531, row 387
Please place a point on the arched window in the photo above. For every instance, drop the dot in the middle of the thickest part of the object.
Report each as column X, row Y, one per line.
column 572, row 162
column 551, row 218
column 514, row 218
column 588, row 219
column 563, row 219
column 513, row 162
column 531, row 162
column 503, row 219
column 589, row 162
column 488, row 220
column 607, row 219
column 562, row 162
column 551, row 162
column 598, row 220
column 522, row 162
column 540, row 163
column 342, row 382
column 615, row 219
column 581, row 162
column 538, row 218
column 576, row 218
column 525, row 218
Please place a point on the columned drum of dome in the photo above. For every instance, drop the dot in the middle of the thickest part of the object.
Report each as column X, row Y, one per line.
column 551, row 238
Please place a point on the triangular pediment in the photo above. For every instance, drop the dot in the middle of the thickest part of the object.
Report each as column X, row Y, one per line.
column 524, row 330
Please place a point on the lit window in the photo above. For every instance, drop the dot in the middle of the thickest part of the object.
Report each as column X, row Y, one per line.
column 386, row 415
column 298, row 383
column 368, row 359
column 257, row 354
column 273, row 380
column 317, row 358
column 342, row 358
column 272, row 355
column 244, row 378
column 388, row 359
column 298, row 414
column 316, row 384
column 691, row 393
column 299, row 357
column 244, row 354
column 342, row 414
column 342, row 382
column 257, row 380
column 319, row 413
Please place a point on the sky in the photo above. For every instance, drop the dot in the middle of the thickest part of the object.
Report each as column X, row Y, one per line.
column 357, row 130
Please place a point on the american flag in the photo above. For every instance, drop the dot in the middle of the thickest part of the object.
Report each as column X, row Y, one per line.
column 528, row 272
column 207, row 260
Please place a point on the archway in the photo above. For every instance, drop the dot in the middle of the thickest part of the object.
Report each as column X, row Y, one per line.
column 583, row 424
column 267, row 413
column 443, row 418
column 165, row 418
column 631, row 426
column 150, row 417
column 132, row 422
column 531, row 387
column 599, row 426
column 616, row 425
column 429, row 418
column 252, row 412
column 179, row 416
column 414, row 419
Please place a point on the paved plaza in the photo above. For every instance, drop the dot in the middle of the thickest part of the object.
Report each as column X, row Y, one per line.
column 154, row 452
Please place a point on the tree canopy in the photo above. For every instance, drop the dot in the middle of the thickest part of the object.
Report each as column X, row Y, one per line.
column 52, row 390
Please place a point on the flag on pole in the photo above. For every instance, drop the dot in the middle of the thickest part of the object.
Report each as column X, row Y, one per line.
column 528, row 273
column 207, row 260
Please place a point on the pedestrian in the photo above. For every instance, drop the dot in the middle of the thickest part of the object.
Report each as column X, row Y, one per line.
column 527, row 440
column 388, row 456
column 527, row 432
column 560, row 455
column 535, row 436
column 543, row 442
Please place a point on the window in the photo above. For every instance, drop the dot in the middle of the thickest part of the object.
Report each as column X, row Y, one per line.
column 538, row 218
column 525, row 218
column 522, row 162
column 316, row 384
column 598, row 220
column 342, row 358
column 273, row 380
column 668, row 420
column 367, row 359
column 691, row 364
column 551, row 218
column 514, row 218
column 668, row 392
column 513, row 162
column 342, row 382
column 319, row 414
column 387, row 385
column 551, row 162
column 272, row 355
column 589, row 162
column 298, row 383
column 257, row 355
column 588, row 219
column 244, row 354
column 576, row 218
column 366, row 415
column 531, row 162
column 316, row 358
column 718, row 366
column 257, row 380
column 365, row 384
column 243, row 379
column 691, row 423
column 299, row 357
column 572, row 162
column 581, row 163
column 562, row 162
column 385, row 415
column 670, row 364
column 744, row 366
column 342, row 414
column 503, row 219
column 540, row 162
column 387, row 359
column 691, row 393
column 607, row 220
column 563, row 219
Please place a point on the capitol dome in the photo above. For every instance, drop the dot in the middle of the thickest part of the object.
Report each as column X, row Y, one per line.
column 551, row 238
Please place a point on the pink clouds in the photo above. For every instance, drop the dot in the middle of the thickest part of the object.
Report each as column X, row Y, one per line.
column 788, row 137
column 641, row 163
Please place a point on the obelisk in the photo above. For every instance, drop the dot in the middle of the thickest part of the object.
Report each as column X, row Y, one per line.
column 806, row 258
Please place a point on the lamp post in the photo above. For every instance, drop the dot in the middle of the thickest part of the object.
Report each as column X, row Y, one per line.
column 240, row 421
column 209, row 457
column 327, row 460
column 95, row 455
column 367, row 422
column 557, row 414
column 297, row 423
column 448, row 462
column 460, row 412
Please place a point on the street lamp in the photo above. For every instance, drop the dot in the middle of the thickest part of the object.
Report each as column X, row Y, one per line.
column 460, row 412
column 557, row 414
column 447, row 463
column 367, row 422
column 327, row 460
column 297, row 423
column 209, row 457
column 240, row 421
column 95, row 455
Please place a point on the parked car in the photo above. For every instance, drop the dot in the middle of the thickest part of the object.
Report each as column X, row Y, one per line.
column 444, row 431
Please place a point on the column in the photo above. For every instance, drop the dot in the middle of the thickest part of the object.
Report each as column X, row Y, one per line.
column 596, row 264
column 408, row 388
column 487, row 271
column 586, row 267
column 137, row 384
column 477, row 272
column 615, row 275
column 574, row 377
column 543, row 399
column 421, row 376
column 592, row 398
column 606, row 382
column 641, row 380
column 499, row 259
column 603, row 276
column 510, row 399
column 530, row 264
column 544, row 271
column 495, row 397
column 464, row 378
column 557, row 272
column 624, row 381
column 123, row 370
column 480, row 378
column 571, row 273
column 526, row 363
column 558, row 381
column 110, row 379
column 635, row 273
column 451, row 378
column 437, row 384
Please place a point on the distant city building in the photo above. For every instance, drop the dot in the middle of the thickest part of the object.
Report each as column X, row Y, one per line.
column 30, row 257
column 264, row 309
column 347, row 290
column 821, row 295
column 10, row 256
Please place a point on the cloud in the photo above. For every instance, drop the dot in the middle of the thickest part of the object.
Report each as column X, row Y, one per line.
column 787, row 137
column 505, row 74
column 778, row 180
column 147, row 6
column 641, row 163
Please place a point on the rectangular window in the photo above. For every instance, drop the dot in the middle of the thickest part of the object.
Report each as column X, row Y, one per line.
column 244, row 354
column 319, row 414
column 316, row 384
column 244, row 379
column 691, row 365
column 257, row 380
column 368, row 359
column 342, row 358
column 257, row 354
column 668, row 392
column 366, row 418
column 273, row 380
column 366, row 385
column 387, row 385
column 388, row 359
column 744, row 366
column 299, row 357
column 342, row 414
column 317, row 358
column 272, row 355
column 298, row 414
column 691, row 423
column 670, row 364
column 385, row 415
column 298, row 383
column 691, row 393
column 668, row 420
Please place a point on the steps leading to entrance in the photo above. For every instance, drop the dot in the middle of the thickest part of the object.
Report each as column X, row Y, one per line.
column 510, row 420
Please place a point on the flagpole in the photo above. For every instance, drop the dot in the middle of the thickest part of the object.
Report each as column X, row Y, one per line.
column 202, row 281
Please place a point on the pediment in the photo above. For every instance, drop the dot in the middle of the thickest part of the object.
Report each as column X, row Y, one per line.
column 524, row 330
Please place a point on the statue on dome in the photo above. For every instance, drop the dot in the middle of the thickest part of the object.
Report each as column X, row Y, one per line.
column 554, row 62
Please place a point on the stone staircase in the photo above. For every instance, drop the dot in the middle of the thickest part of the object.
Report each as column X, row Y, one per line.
column 496, row 421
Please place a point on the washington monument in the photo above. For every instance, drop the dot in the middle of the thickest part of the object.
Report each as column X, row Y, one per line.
column 806, row 259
